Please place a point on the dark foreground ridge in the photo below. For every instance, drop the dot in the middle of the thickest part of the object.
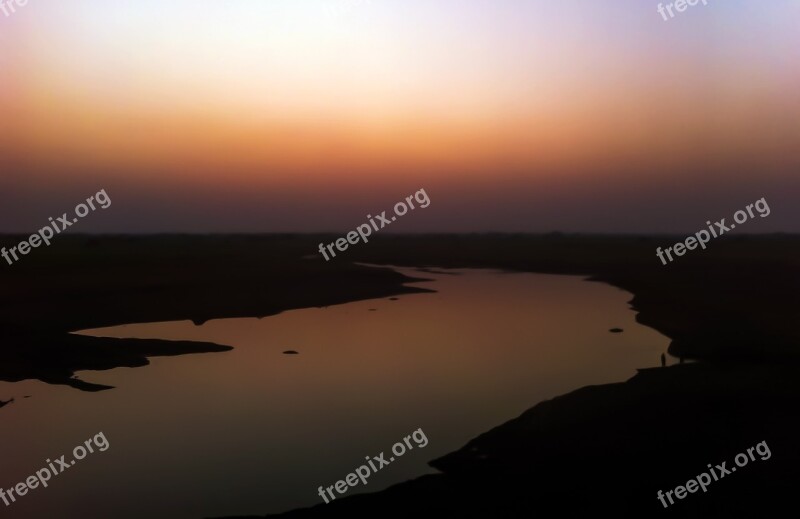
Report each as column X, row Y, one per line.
column 608, row 449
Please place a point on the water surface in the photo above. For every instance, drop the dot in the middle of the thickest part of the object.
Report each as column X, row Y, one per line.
column 253, row 431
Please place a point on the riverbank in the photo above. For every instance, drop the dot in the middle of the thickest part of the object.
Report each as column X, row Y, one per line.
column 609, row 449
column 604, row 448
column 84, row 282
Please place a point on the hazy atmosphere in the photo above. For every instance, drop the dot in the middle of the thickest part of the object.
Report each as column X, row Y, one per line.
column 288, row 115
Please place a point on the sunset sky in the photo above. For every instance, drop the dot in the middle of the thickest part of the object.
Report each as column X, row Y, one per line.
column 305, row 115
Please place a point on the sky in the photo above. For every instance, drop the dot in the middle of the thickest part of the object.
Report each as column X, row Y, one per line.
column 307, row 115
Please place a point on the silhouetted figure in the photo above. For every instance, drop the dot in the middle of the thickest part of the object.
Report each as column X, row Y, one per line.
column 681, row 360
column 663, row 361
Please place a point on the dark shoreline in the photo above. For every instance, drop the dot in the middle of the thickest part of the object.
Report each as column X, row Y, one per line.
column 97, row 283
column 607, row 449
column 598, row 449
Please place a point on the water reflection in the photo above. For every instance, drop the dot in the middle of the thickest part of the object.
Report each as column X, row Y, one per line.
column 255, row 430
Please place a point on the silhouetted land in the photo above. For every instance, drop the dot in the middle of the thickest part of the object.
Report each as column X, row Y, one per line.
column 82, row 282
column 598, row 450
